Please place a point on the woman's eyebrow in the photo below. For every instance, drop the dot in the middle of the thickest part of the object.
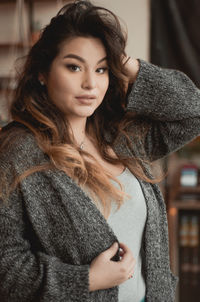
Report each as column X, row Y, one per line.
column 81, row 59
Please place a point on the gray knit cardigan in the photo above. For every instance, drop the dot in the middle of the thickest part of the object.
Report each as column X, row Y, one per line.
column 51, row 231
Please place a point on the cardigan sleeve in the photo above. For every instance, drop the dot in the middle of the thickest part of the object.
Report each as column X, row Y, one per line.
column 28, row 276
column 28, row 273
column 169, row 103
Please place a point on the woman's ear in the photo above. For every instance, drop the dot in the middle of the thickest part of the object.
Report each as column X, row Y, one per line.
column 41, row 79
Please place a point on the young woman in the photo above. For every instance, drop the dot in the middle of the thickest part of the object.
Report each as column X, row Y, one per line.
column 87, row 122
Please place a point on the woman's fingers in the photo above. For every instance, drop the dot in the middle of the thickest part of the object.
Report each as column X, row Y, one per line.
column 127, row 261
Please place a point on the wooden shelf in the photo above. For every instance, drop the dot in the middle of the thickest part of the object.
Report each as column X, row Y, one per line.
column 13, row 45
column 186, row 205
column 188, row 189
column 5, row 91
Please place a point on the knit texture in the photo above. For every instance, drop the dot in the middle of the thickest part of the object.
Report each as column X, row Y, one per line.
column 51, row 230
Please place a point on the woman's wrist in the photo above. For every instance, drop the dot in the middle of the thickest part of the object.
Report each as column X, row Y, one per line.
column 131, row 67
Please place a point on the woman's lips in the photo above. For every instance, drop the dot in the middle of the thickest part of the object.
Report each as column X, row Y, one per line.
column 85, row 101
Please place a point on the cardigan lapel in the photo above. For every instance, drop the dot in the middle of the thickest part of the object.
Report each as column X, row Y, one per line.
column 88, row 222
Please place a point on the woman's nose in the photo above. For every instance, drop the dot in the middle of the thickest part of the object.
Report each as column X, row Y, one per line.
column 89, row 80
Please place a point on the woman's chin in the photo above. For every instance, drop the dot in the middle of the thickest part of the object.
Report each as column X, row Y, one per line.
column 86, row 113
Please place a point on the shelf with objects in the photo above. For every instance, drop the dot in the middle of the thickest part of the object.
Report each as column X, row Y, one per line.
column 10, row 60
column 14, row 44
column 20, row 26
column 184, row 220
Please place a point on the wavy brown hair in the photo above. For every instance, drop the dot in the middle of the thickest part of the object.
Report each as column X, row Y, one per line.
column 32, row 107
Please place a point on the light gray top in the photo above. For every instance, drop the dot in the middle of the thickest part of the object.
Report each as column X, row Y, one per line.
column 128, row 224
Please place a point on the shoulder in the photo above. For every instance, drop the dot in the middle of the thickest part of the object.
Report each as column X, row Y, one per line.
column 18, row 146
column 14, row 134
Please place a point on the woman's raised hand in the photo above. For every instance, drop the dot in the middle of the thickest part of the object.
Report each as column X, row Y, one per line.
column 131, row 67
column 105, row 273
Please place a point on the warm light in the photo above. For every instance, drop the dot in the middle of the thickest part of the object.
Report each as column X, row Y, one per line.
column 173, row 211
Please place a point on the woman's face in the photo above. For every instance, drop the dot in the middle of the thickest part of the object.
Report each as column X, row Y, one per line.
column 78, row 78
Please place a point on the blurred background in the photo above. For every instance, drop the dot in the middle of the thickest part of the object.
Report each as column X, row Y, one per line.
column 167, row 34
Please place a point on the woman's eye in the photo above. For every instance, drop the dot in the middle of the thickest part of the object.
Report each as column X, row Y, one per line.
column 73, row 67
column 102, row 70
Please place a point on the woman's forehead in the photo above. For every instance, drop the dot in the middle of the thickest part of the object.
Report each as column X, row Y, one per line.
column 84, row 47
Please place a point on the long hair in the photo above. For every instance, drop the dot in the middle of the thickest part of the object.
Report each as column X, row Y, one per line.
column 31, row 105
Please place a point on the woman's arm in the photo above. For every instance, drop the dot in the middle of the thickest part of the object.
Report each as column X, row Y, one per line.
column 169, row 102
column 28, row 274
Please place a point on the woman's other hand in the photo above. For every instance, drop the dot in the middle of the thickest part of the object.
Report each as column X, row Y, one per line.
column 105, row 273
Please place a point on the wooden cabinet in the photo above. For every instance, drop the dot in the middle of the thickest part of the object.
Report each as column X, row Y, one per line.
column 182, row 201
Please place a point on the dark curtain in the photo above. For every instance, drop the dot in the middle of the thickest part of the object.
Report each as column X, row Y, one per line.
column 175, row 36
